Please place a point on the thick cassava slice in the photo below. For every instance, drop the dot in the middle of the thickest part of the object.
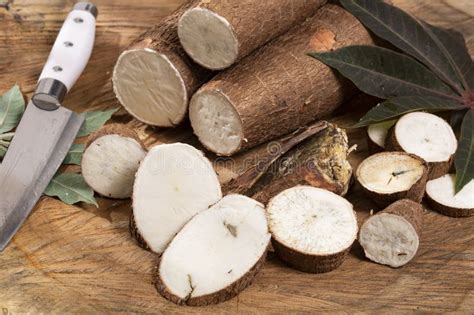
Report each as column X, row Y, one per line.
column 216, row 255
column 312, row 228
column 217, row 33
column 391, row 237
column 441, row 196
column 389, row 176
column 173, row 183
column 154, row 78
column 425, row 135
column 376, row 135
column 111, row 159
column 319, row 161
column 278, row 88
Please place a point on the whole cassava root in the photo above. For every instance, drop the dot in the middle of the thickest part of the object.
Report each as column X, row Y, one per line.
column 391, row 237
column 111, row 159
column 154, row 78
column 278, row 88
column 217, row 33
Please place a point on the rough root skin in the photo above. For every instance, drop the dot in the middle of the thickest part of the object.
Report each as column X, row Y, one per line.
column 415, row 193
column 215, row 298
column 115, row 129
column 320, row 161
column 136, row 235
column 309, row 263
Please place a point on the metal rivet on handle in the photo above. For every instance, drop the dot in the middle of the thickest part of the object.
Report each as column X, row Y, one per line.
column 68, row 44
column 78, row 20
column 57, row 69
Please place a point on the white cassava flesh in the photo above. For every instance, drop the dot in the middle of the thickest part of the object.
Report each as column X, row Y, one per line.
column 150, row 88
column 390, row 172
column 208, row 38
column 173, row 183
column 109, row 165
column 216, row 122
column 391, row 237
column 377, row 133
column 312, row 228
column 216, row 254
column 442, row 196
column 426, row 135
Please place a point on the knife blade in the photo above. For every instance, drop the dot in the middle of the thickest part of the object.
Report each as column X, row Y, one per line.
column 46, row 130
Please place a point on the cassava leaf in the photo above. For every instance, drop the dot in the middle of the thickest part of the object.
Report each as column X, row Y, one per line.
column 406, row 33
column 12, row 106
column 384, row 73
column 95, row 120
column 70, row 188
column 454, row 47
column 401, row 105
column 456, row 119
column 3, row 150
column 74, row 155
column 464, row 159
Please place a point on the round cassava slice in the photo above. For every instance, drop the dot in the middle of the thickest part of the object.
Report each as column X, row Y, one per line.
column 391, row 237
column 312, row 229
column 111, row 159
column 216, row 255
column 427, row 136
column 173, row 183
column 441, row 196
column 389, row 176
column 377, row 133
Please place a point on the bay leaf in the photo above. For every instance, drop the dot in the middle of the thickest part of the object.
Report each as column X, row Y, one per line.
column 401, row 105
column 12, row 106
column 406, row 33
column 70, row 188
column 94, row 120
column 464, row 158
column 74, row 155
column 385, row 73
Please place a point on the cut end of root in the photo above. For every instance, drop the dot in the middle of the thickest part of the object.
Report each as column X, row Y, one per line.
column 315, row 227
column 208, row 38
column 377, row 133
column 216, row 254
column 441, row 195
column 389, row 239
column 216, row 122
column 150, row 87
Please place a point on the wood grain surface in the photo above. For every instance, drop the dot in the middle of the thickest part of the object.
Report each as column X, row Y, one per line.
column 79, row 259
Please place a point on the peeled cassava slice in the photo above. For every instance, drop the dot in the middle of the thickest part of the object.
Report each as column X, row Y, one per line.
column 154, row 78
column 441, row 196
column 312, row 228
column 319, row 161
column 111, row 159
column 377, row 133
column 391, row 237
column 278, row 88
column 429, row 137
column 216, row 255
column 389, row 176
column 173, row 183
column 217, row 33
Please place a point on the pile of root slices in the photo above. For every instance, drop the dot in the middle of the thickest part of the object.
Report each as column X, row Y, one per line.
column 212, row 247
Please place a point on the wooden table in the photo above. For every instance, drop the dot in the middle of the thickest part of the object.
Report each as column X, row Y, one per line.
column 78, row 259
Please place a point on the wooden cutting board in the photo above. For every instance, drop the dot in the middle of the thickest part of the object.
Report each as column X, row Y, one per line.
column 79, row 259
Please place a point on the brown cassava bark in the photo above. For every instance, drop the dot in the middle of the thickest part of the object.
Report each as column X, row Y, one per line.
column 279, row 88
column 409, row 210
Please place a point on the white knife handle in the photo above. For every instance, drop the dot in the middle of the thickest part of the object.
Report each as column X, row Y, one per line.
column 68, row 58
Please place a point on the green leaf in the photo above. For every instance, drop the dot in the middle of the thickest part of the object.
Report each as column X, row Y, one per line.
column 402, row 105
column 95, row 120
column 12, row 106
column 3, row 150
column 384, row 73
column 406, row 33
column 453, row 45
column 71, row 188
column 74, row 155
column 456, row 119
column 464, row 159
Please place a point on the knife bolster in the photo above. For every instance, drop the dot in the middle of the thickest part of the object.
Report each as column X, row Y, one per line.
column 49, row 94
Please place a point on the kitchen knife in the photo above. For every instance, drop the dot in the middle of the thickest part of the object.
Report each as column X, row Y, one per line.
column 46, row 130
